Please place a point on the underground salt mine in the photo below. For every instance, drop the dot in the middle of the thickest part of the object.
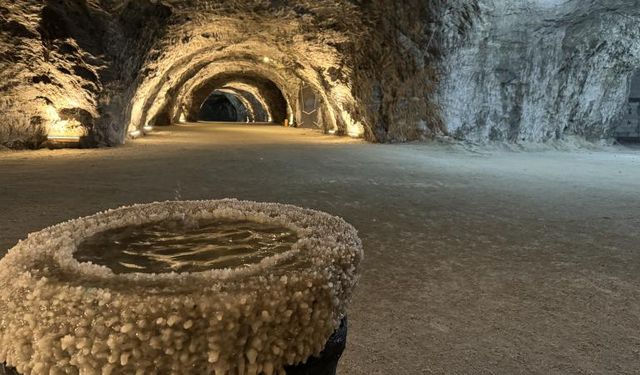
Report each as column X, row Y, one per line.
column 319, row 187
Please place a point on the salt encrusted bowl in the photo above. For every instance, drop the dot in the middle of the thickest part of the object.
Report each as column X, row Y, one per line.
column 61, row 316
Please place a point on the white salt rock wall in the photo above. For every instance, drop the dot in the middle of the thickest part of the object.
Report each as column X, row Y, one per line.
column 536, row 71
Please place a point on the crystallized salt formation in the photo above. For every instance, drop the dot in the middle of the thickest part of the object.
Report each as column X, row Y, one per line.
column 60, row 315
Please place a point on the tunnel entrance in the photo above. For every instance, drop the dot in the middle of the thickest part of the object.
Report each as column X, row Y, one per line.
column 628, row 129
column 252, row 97
column 219, row 108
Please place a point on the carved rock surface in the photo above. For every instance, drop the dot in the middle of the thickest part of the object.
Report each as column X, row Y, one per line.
column 542, row 70
column 109, row 67
column 480, row 70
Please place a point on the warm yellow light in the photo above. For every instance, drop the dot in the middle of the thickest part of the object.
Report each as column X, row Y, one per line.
column 71, row 103
column 354, row 128
column 63, row 138
column 53, row 114
column 266, row 60
column 355, row 133
column 63, row 130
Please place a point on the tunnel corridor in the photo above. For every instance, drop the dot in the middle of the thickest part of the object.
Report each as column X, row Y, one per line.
column 220, row 108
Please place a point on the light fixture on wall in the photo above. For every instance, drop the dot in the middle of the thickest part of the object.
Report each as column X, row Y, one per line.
column 60, row 130
column 354, row 128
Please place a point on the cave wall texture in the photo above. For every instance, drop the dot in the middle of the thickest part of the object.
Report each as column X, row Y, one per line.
column 479, row 70
column 72, row 61
column 541, row 70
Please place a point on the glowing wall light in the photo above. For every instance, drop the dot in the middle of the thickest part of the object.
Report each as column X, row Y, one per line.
column 354, row 128
column 63, row 130
column 52, row 113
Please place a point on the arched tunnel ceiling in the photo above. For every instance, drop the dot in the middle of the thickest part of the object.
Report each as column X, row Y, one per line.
column 266, row 92
column 257, row 109
column 276, row 49
column 222, row 107
column 268, row 88
column 262, row 109
column 509, row 70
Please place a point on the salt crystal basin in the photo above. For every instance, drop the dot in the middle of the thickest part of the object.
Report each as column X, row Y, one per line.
column 62, row 316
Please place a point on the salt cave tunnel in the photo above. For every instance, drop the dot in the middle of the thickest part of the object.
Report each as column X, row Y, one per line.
column 268, row 98
column 219, row 107
column 486, row 151
column 222, row 107
column 383, row 71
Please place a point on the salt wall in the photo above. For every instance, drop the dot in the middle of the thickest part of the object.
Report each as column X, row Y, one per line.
column 541, row 70
column 504, row 70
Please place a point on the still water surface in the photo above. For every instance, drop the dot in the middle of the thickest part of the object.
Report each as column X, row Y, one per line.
column 175, row 246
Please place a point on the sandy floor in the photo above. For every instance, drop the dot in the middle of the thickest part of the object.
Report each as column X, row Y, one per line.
column 476, row 263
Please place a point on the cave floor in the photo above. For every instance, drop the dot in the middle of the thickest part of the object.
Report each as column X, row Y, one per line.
column 484, row 262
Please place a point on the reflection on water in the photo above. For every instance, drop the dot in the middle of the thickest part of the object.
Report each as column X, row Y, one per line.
column 175, row 246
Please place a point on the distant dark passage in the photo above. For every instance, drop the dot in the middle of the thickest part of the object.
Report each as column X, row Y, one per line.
column 218, row 108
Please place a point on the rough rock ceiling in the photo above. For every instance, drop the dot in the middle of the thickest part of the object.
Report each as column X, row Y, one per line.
column 533, row 70
column 113, row 66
